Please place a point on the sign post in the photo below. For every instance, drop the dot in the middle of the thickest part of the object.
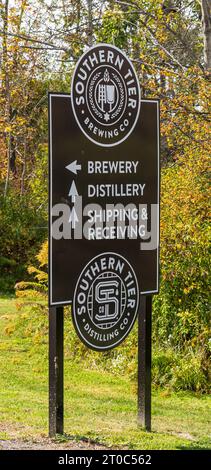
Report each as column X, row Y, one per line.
column 144, row 362
column 56, row 361
column 103, row 215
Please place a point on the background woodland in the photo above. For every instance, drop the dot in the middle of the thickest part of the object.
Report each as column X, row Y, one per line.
column 169, row 43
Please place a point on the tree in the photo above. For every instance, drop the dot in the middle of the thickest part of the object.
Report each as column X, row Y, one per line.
column 166, row 48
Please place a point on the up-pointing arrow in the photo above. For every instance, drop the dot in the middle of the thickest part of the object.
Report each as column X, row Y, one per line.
column 74, row 167
column 73, row 217
column 73, row 191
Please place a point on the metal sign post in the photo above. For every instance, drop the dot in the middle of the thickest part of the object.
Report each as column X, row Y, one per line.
column 56, row 361
column 144, row 362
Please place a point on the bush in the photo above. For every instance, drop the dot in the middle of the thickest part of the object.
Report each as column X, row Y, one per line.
column 180, row 369
column 181, row 310
column 188, row 374
column 22, row 230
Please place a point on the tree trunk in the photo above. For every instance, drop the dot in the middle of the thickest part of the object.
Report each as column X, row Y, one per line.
column 206, row 25
column 24, row 165
column 90, row 25
column 6, row 88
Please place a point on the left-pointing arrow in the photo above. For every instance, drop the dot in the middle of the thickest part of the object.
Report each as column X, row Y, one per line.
column 73, row 191
column 74, row 167
column 73, row 218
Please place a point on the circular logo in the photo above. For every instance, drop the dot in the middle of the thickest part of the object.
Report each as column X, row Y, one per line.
column 105, row 95
column 105, row 301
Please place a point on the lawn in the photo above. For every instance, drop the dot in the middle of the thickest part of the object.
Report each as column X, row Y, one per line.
column 98, row 405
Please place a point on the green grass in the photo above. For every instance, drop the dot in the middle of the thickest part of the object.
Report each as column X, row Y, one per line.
column 98, row 404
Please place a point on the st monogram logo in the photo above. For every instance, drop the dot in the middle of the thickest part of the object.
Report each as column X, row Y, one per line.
column 105, row 95
column 106, row 301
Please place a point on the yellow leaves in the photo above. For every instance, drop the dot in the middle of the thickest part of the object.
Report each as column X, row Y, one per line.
column 159, row 12
column 21, row 285
column 184, row 223
column 21, row 121
column 13, row 93
column 9, row 330
column 187, row 290
column 8, row 129
column 36, row 289
column 16, row 127
column 43, row 254
column 41, row 276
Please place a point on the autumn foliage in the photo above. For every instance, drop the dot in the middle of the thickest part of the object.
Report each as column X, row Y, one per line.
column 167, row 49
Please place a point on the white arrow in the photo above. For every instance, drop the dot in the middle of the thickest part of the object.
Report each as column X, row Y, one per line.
column 73, row 218
column 74, row 167
column 73, row 191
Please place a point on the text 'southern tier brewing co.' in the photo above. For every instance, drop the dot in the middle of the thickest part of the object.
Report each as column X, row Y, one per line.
column 105, row 95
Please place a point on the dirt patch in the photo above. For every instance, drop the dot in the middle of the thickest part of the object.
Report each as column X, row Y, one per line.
column 185, row 435
column 48, row 444
column 13, row 438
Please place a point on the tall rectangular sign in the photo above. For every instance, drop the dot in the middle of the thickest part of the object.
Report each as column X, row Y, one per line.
column 102, row 200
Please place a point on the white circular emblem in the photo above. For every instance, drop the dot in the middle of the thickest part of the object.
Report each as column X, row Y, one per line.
column 105, row 95
column 105, row 301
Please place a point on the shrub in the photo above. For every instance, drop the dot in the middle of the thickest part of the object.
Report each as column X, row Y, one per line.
column 181, row 310
column 188, row 373
column 22, row 230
